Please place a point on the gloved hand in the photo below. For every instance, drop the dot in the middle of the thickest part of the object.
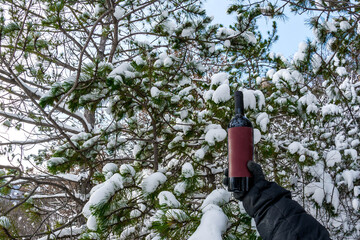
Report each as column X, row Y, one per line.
column 255, row 170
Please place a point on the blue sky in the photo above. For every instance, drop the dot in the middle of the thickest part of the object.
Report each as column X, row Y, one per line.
column 291, row 31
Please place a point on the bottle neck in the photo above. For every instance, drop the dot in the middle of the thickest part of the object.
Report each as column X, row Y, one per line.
column 239, row 111
column 239, row 103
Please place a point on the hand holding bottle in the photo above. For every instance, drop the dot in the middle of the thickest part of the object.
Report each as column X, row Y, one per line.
column 256, row 171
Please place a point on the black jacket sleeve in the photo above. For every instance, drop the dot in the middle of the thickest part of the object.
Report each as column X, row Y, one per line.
column 278, row 217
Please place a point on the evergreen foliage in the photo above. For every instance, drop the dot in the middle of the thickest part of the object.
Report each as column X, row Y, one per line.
column 127, row 103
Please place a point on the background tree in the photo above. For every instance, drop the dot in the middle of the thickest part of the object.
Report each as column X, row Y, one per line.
column 128, row 102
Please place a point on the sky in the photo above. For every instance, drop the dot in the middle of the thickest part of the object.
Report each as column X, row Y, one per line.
column 291, row 31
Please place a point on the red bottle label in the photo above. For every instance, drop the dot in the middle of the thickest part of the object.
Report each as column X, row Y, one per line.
column 240, row 144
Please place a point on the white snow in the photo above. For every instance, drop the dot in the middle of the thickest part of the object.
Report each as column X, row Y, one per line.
column 91, row 223
column 221, row 94
column 219, row 78
column 200, row 153
column 107, row 190
column 227, row 43
column 350, row 176
column 4, row 222
column 329, row 25
column 325, row 189
column 152, row 182
column 213, row 224
column 345, row 25
column 187, row 32
column 110, row 167
column 333, row 157
column 257, row 136
column 187, row 170
column 352, row 153
column 168, row 62
column 135, row 213
column 180, row 188
column 261, row 98
column 136, row 150
column 215, row 135
column 355, row 204
column 249, row 99
column 217, row 197
column 127, row 169
column 330, row 109
column 54, row 161
column 225, row 32
column 119, row 12
column 341, row 71
column 296, row 147
column 262, row 120
column 301, row 53
column 168, row 199
column 316, row 62
column 127, row 232
column 155, row 92
column 176, row 214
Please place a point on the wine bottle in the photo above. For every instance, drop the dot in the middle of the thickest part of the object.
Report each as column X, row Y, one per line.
column 240, row 148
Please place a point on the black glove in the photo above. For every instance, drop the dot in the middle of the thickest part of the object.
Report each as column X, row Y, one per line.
column 255, row 170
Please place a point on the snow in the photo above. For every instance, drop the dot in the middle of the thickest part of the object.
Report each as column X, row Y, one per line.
column 168, row 62
column 110, row 167
column 227, row 43
column 333, row 157
column 350, row 176
column 187, row 170
column 180, row 188
column 200, row 153
column 119, row 12
column 4, row 222
column 355, row 204
column 208, row 94
column 215, row 135
column 249, row 99
column 136, row 150
column 187, row 32
column 325, row 189
column 329, row 25
column 330, row 109
column 221, row 94
column 54, row 161
column 217, row 197
column 107, row 190
column 249, row 36
column 65, row 232
column 257, row 136
column 356, row 191
column 127, row 169
column 261, row 98
column 155, row 92
column 262, row 120
column 123, row 69
column 91, row 223
column 152, row 182
column 301, row 53
column 168, row 199
column 316, row 62
column 213, row 224
column 219, row 78
column 176, row 214
column 225, row 32
column 341, row 71
column 127, row 232
column 296, row 147
column 352, row 153
column 135, row 213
